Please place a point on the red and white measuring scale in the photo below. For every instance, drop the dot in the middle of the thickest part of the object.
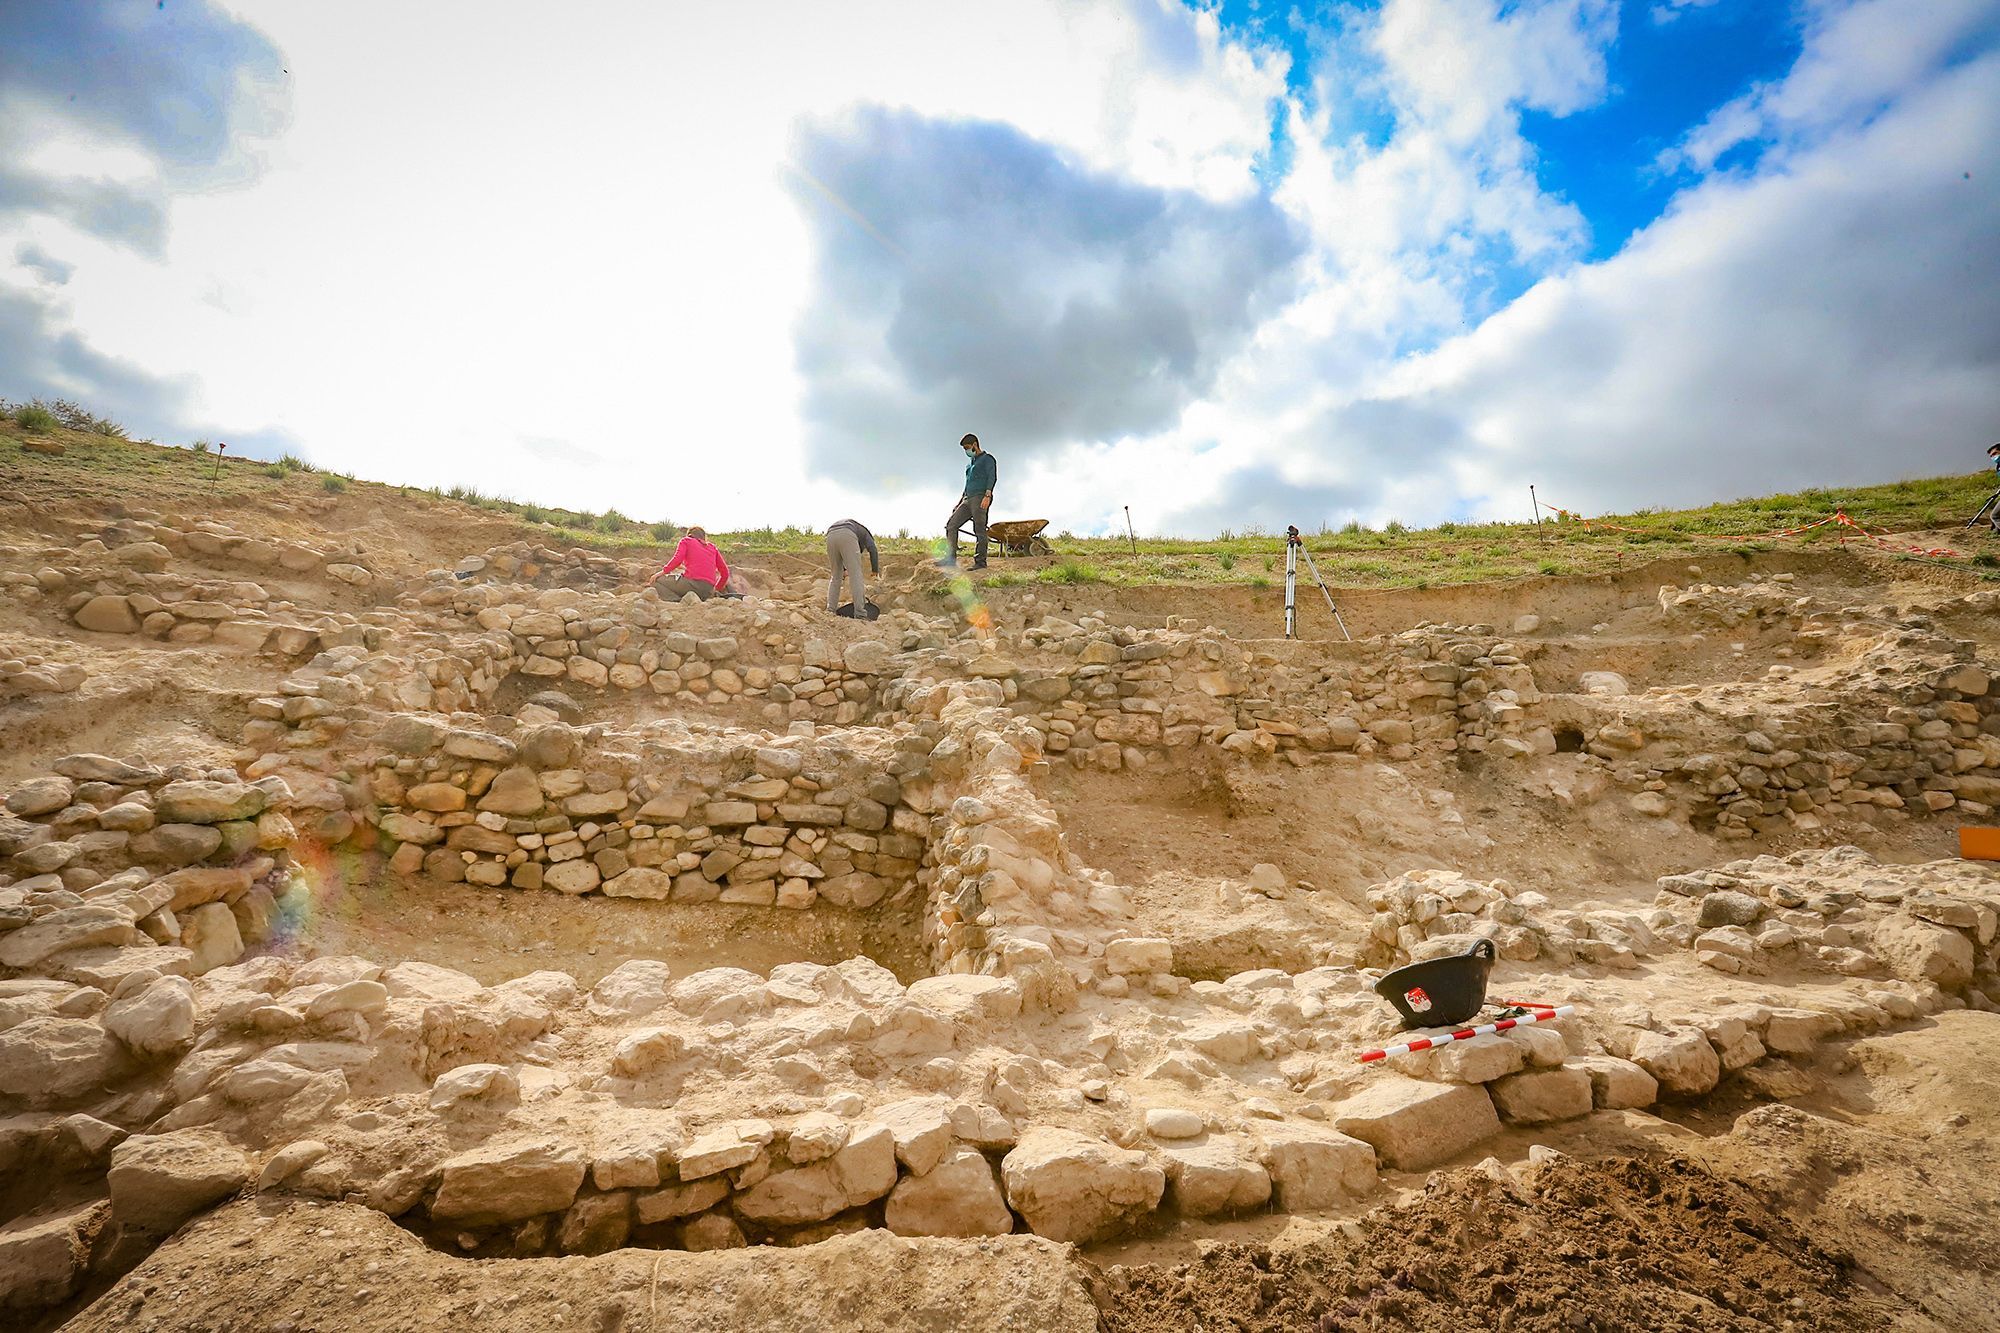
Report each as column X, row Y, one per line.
column 1539, row 1015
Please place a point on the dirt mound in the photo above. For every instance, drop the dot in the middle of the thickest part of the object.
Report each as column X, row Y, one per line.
column 1618, row 1244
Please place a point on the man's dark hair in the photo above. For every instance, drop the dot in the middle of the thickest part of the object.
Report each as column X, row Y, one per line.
column 970, row 438
column 1993, row 448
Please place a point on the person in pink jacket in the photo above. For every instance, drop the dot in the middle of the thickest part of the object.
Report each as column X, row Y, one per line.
column 703, row 570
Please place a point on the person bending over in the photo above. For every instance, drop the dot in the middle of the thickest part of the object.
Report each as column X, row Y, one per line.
column 703, row 570
column 975, row 504
column 845, row 541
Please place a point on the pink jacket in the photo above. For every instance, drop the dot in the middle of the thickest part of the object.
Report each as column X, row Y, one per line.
column 699, row 560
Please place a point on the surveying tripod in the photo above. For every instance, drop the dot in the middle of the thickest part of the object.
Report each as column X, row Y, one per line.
column 1294, row 548
column 1984, row 509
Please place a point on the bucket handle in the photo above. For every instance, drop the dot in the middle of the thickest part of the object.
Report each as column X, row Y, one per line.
column 1481, row 949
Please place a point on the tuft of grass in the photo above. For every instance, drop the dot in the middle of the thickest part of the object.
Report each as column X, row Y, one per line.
column 277, row 471
column 293, row 463
column 612, row 521
column 333, row 483
column 1394, row 527
column 201, row 446
column 1227, row 560
column 664, row 532
column 35, row 417
column 1071, row 571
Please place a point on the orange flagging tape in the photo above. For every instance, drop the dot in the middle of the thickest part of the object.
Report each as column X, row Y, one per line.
column 1838, row 517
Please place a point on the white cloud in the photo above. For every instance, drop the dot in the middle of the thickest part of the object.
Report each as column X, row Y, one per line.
column 1858, row 58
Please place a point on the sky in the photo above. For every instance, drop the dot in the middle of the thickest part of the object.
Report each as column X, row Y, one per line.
column 1233, row 265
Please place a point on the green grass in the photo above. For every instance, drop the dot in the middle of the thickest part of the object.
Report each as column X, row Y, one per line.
column 1351, row 555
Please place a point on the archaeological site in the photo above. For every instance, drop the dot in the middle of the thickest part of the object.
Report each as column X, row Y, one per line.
column 407, row 922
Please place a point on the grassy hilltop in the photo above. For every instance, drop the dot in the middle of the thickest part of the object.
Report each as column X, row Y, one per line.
column 96, row 462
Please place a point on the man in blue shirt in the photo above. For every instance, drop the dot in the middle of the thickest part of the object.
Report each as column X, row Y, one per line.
column 980, row 472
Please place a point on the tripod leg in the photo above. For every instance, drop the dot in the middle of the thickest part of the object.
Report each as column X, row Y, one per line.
column 1291, row 591
column 1328, row 594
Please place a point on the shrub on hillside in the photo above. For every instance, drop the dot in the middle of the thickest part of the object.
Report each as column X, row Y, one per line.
column 332, row 482
column 34, row 417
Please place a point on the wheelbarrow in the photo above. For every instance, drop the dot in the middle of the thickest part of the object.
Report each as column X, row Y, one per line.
column 1020, row 536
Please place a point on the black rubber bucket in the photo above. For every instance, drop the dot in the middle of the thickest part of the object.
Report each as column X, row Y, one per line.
column 1441, row 992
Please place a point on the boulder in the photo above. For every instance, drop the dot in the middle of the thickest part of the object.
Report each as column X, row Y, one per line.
column 640, row 882
column 155, row 1021
column 1413, row 1126
column 507, row 1182
column 158, row 1181
column 109, row 614
column 959, row 1196
column 40, row 796
column 868, row 658
column 1727, row 907
column 1072, row 1187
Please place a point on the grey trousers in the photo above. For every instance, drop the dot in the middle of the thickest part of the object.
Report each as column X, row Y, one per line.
column 843, row 557
column 968, row 511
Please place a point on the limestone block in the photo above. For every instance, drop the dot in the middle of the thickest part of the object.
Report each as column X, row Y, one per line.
column 960, row 1196
column 572, row 877
column 1138, row 957
column 640, row 882
column 49, row 1059
column 1413, row 1126
column 1220, row 1175
column 1919, row 951
column 631, row 990
column 1069, row 1186
column 1174, row 1122
column 211, row 934
column 921, row 1129
column 1681, row 1058
column 736, row 1143
column 684, row 1200
column 1618, row 1085
column 509, row 1181
column 1316, row 1167
column 1541, row 1095
column 1478, row 1059
column 44, row 1257
column 205, row 802
column 158, row 1181
column 516, row 791
column 475, row 1083
column 863, row 1170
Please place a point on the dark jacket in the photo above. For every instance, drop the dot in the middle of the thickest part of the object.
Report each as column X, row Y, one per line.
column 980, row 474
column 865, row 538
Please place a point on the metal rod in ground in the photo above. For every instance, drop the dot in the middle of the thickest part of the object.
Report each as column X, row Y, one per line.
column 1429, row 1043
column 218, row 464
column 1536, row 503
